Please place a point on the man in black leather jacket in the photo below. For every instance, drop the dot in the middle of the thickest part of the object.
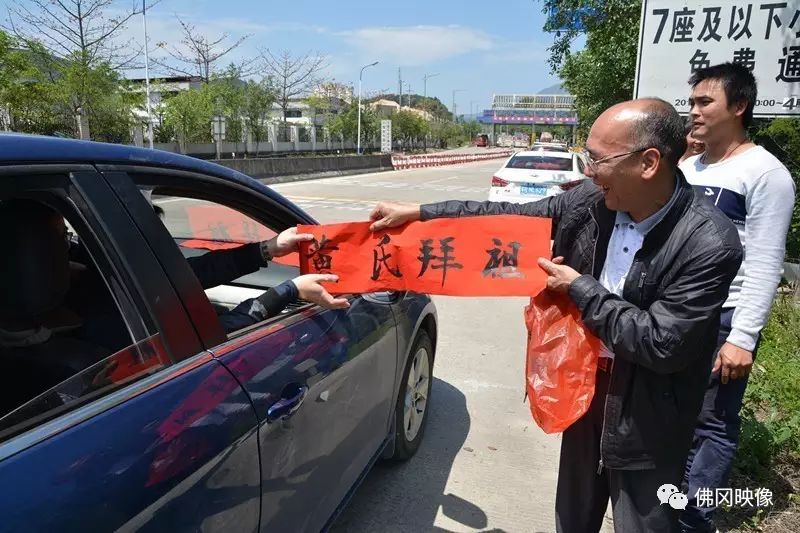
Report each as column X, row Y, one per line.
column 648, row 263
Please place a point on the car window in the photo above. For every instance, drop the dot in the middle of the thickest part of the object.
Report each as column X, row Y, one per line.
column 104, row 377
column 204, row 225
column 540, row 163
column 223, row 249
column 58, row 314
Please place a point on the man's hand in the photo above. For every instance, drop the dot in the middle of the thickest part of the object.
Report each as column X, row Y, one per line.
column 393, row 214
column 735, row 362
column 286, row 242
column 559, row 276
column 310, row 290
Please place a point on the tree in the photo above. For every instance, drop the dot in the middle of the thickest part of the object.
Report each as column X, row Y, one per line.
column 602, row 74
column 471, row 129
column 189, row 114
column 257, row 101
column 320, row 105
column 446, row 134
column 26, row 102
column 345, row 124
column 293, row 76
column 227, row 95
column 78, row 40
column 781, row 137
column 409, row 126
column 197, row 55
column 110, row 101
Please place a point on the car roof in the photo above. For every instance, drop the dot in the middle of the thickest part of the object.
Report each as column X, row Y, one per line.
column 20, row 148
column 549, row 144
column 540, row 153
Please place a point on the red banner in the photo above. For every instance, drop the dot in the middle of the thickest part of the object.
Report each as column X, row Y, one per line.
column 471, row 256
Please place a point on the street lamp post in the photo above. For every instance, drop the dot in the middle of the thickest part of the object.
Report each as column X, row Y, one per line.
column 425, row 104
column 425, row 84
column 147, row 79
column 360, row 74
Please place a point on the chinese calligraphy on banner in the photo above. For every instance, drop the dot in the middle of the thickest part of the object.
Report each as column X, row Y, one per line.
column 477, row 256
column 677, row 38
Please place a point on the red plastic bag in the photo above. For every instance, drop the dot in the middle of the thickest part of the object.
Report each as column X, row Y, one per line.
column 561, row 362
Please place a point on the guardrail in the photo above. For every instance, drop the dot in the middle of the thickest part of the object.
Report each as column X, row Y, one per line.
column 402, row 162
column 289, row 166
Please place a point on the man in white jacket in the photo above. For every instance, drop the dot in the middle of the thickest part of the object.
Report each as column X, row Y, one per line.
column 756, row 191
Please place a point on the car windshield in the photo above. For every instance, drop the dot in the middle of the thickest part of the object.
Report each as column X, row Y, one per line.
column 540, row 162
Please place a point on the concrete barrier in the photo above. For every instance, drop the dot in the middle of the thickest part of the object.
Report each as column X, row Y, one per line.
column 289, row 166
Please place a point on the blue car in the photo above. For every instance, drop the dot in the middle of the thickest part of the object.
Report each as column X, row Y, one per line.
column 124, row 402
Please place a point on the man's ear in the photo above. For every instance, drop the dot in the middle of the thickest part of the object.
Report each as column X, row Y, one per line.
column 650, row 161
column 739, row 108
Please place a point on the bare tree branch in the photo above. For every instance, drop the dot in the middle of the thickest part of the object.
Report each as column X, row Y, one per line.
column 293, row 76
column 77, row 29
column 198, row 55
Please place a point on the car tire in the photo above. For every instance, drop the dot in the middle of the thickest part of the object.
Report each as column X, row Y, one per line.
column 413, row 399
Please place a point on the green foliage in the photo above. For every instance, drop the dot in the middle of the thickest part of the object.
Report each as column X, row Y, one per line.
column 471, row 129
column 320, row 105
column 257, row 100
column 781, row 136
column 27, row 94
column 189, row 114
column 44, row 94
column 408, row 126
column 99, row 92
column 345, row 124
column 602, row 74
column 771, row 410
column 448, row 134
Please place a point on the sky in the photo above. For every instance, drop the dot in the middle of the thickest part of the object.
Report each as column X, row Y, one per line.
column 478, row 47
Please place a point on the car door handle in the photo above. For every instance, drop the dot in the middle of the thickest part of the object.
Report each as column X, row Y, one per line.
column 286, row 406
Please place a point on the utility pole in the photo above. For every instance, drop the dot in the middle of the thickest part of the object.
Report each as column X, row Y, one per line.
column 400, row 85
column 455, row 117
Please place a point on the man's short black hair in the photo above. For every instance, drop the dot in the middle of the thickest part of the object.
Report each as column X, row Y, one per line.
column 738, row 83
column 660, row 126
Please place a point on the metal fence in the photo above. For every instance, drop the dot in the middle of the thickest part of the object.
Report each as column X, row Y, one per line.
column 284, row 134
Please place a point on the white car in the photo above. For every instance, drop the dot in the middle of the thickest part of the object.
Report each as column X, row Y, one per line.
column 532, row 175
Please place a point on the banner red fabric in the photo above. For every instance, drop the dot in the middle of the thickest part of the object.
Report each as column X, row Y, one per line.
column 475, row 256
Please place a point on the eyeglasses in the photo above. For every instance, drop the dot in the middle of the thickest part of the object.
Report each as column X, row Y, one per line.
column 594, row 162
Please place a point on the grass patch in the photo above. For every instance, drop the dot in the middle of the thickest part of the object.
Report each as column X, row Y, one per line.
column 769, row 447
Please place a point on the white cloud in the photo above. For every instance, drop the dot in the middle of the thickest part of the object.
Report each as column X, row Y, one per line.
column 417, row 45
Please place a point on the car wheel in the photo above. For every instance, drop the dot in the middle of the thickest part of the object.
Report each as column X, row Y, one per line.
column 413, row 400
